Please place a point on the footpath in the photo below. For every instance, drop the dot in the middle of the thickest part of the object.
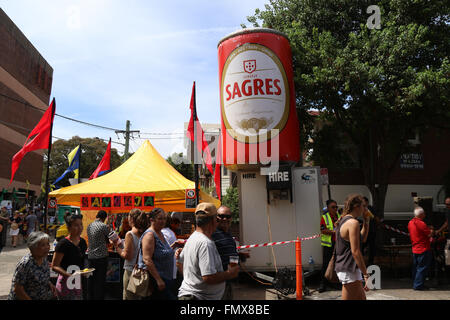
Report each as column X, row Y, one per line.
column 246, row 288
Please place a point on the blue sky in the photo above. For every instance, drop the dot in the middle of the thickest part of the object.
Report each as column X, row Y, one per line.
column 117, row 60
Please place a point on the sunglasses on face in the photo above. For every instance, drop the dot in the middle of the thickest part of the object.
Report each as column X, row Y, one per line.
column 334, row 207
column 224, row 216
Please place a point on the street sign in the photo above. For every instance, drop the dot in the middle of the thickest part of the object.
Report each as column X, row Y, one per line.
column 190, row 198
column 52, row 203
column 413, row 160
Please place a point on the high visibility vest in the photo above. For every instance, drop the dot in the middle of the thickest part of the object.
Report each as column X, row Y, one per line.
column 325, row 239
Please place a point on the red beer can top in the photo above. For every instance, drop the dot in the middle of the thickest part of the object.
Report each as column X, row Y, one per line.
column 257, row 96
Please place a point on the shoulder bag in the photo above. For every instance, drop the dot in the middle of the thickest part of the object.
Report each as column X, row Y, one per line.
column 140, row 283
column 330, row 273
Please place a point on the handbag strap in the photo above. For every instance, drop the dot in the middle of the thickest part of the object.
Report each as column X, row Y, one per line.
column 140, row 249
column 138, row 253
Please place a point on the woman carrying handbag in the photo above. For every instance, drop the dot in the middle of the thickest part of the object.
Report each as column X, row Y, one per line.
column 349, row 261
column 139, row 222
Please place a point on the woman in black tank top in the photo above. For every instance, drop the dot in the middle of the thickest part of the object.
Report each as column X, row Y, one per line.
column 349, row 259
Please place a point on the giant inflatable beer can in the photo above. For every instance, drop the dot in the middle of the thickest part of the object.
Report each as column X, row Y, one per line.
column 257, row 99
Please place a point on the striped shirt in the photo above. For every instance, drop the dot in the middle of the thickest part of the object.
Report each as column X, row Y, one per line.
column 225, row 245
column 97, row 233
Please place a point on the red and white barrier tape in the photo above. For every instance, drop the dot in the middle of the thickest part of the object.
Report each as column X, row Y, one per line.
column 395, row 230
column 270, row 244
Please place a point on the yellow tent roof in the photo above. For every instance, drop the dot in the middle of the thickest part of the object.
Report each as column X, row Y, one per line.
column 145, row 171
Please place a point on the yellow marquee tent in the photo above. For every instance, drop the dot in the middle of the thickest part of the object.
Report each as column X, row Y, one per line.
column 145, row 171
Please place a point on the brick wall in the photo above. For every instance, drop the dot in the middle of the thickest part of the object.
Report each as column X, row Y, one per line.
column 20, row 59
column 435, row 148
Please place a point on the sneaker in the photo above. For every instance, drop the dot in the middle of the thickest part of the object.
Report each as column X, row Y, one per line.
column 422, row 288
column 322, row 288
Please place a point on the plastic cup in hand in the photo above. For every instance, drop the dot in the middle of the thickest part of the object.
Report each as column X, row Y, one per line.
column 113, row 236
column 234, row 260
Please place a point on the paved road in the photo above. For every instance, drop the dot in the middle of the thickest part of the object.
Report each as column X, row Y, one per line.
column 391, row 289
column 9, row 257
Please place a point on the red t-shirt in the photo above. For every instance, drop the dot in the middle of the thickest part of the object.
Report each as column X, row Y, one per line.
column 420, row 236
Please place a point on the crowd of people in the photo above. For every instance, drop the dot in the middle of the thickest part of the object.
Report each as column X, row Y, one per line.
column 197, row 269
column 202, row 267
column 19, row 224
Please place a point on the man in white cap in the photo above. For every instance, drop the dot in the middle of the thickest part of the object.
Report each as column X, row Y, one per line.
column 200, row 262
column 420, row 239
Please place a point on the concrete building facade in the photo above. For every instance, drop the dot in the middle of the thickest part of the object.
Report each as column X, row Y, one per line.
column 25, row 79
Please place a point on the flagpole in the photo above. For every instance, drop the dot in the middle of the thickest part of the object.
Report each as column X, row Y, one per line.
column 219, row 152
column 196, row 178
column 79, row 165
column 48, row 166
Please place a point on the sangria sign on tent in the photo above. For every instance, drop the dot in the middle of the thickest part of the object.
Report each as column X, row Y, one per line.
column 143, row 201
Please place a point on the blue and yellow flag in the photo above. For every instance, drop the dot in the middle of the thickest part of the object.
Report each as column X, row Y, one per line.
column 74, row 161
column 74, row 164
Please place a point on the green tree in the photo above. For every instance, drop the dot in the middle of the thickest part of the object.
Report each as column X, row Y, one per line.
column 92, row 151
column 179, row 162
column 231, row 200
column 378, row 85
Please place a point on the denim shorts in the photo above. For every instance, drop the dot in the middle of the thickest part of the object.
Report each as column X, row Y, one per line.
column 347, row 277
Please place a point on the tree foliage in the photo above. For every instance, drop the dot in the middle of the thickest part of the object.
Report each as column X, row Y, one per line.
column 178, row 161
column 231, row 200
column 375, row 85
column 92, row 151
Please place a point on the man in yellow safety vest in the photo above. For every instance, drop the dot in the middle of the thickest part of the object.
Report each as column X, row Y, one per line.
column 328, row 237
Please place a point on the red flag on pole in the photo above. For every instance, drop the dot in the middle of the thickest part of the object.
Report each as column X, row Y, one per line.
column 199, row 136
column 39, row 138
column 105, row 163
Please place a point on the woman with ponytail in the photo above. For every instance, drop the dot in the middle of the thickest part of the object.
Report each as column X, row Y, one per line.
column 349, row 264
column 139, row 222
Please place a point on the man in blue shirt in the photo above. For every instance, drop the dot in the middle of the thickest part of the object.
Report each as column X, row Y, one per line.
column 226, row 245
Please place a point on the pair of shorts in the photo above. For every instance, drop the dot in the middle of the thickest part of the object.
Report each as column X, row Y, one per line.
column 347, row 277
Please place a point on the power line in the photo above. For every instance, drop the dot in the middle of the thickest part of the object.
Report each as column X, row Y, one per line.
column 168, row 138
column 100, row 126
column 59, row 115
column 86, row 123
column 173, row 133
column 162, row 133
column 29, row 130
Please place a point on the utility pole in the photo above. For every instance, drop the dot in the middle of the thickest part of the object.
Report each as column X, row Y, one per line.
column 126, row 134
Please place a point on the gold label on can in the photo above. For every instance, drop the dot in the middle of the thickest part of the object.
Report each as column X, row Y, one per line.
column 254, row 93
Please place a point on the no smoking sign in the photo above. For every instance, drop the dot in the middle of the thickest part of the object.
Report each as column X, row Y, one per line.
column 52, row 203
column 190, row 197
